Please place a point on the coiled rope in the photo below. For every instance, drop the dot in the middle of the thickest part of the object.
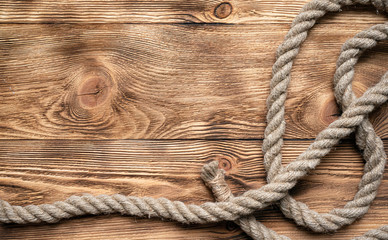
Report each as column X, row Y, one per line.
column 280, row 178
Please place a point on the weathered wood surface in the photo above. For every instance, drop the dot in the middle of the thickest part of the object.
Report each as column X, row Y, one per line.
column 167, row 81
column 190, row 93
column 159, row 11
column 40, row 171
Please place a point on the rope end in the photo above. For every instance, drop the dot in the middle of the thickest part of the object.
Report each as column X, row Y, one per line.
column 210, row 171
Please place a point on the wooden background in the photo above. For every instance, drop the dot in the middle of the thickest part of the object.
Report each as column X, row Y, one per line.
column 133, row 97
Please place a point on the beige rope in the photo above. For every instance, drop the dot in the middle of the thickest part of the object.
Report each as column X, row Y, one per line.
column 280, row 178
column 373, row 151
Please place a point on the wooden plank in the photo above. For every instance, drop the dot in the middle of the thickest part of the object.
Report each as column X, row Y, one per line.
column 167, row 81
column 160, row 11
column 41, row 171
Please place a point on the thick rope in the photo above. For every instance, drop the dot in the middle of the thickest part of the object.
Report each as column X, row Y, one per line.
column 214, row 178
column 373, row 154
column 280, row 179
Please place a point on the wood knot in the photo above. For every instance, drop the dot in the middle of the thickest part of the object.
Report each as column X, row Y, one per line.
column 224, row 163
column 330, row 111
column 93, row 92
column 231, row 226
column 223, row 10
column 90, row 95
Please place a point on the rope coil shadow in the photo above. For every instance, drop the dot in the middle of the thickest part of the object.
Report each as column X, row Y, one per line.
column 280, row 178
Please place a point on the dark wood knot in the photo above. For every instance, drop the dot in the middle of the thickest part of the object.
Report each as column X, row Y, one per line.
column 231, row 226
column 223, row 10
column 224, row 163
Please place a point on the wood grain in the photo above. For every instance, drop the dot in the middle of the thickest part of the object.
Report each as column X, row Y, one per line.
column 160, row 11
column 145, row 81
column 41, row 171
column 72, row 89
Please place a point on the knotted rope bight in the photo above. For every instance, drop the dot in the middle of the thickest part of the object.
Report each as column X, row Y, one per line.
column 280, row 178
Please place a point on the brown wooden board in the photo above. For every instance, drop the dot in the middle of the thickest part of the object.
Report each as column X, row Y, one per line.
column 161, row 11
column 41, row 171
column 134, row 96
column 168, row 81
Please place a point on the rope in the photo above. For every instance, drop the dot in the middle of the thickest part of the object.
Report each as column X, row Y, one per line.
column 280, row 178
column 373, row 154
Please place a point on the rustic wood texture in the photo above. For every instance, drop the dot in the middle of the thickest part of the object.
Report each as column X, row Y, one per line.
column 159, row 11
column 138, row 104
column 168, row 81
column 40, row 171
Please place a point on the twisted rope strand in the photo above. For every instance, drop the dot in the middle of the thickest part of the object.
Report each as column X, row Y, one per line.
column 214, row 178
column 367, row 140
column 280, row 179
column 374, row 154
